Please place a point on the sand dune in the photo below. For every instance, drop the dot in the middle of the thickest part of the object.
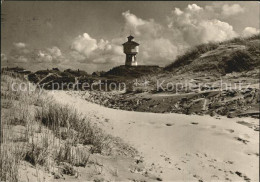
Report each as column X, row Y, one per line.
column 179, row 147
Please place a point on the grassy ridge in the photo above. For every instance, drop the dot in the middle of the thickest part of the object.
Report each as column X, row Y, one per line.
column 241, row 54
column 190, row 55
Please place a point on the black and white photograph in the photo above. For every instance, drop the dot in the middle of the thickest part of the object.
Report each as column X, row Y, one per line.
column 134, row 91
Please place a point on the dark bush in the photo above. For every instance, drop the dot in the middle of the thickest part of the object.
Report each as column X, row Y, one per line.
column 238, row 61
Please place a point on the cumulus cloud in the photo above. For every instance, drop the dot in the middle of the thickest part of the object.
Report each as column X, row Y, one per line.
column 234, row 9
column 55, row 51
column 84, row 44
column 24, row 54
column 158, row 51
column 88, row 49
column 215, row 30
column 146, row 28
column 132, row 20
column 177, row 11
column 194, row 7
column 196, row 25
column 249, row 31
column 50, row 55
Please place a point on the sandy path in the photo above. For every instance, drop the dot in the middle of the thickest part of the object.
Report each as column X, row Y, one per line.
column 180, row 147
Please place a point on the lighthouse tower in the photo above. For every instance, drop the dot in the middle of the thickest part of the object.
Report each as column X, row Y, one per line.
column 131, row 49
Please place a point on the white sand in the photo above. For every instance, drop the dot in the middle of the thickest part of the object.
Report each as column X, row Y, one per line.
column 211, row 150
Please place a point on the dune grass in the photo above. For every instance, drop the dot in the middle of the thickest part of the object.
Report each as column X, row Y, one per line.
column 37, row 130
column 191, row 54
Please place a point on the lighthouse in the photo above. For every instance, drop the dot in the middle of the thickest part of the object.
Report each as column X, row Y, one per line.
column 131, row 49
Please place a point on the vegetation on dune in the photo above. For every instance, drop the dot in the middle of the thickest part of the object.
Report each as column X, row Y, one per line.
column 9, row 160
column 233, row 59
column 130, row 72
column 238, row 61
column 191, row 54
column 45, row 133
column 66, row 123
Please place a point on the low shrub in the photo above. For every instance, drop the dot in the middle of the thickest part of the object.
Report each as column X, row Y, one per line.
column 75, row 155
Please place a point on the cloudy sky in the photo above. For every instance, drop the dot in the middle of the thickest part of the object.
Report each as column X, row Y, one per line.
column 89, row 35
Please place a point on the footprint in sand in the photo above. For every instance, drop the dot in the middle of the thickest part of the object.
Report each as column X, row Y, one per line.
column 256, row 154
column 201, row 155
column 243, row 176
column 242, row 140
column 212, row 166
column 227, row 179
column 169, row 124
column 187, row 154
column 167, row 159
column 212, row 160
column 198, row 177
column 229, row 162
column 230, row 130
